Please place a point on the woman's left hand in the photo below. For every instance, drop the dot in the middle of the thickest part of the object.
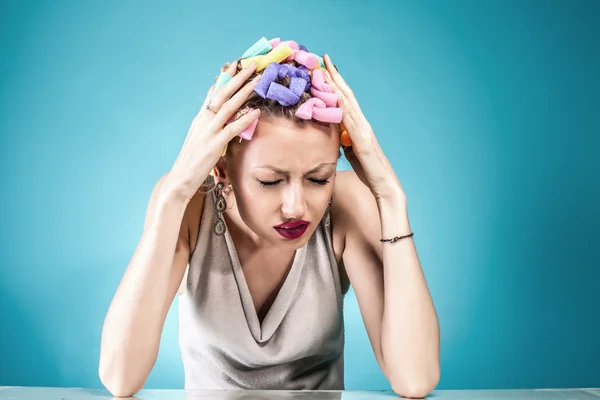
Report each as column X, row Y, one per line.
column 365, row 154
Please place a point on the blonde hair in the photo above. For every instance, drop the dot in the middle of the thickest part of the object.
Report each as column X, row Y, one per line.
column 269, row 108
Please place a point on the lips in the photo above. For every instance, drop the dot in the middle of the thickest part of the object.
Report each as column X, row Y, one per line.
column 292, row 224
column 292, row 230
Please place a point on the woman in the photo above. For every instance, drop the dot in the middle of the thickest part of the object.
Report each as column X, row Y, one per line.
column 262, row 261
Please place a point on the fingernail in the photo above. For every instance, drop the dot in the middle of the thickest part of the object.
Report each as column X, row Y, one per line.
column 252, row 64
column 327, row 75
column 256, row 79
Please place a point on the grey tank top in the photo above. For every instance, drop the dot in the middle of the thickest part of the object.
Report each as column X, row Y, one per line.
column 300, row 342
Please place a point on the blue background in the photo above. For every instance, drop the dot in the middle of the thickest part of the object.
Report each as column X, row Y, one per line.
column 487, row 111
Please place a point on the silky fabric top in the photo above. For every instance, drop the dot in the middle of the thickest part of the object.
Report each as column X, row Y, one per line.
column 300, row 342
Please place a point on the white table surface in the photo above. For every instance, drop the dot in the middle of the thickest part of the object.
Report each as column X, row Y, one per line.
column 40, row 393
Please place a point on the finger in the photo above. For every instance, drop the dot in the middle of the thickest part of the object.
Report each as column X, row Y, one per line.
column 203, row 108
column 335, row 74
column 228, row 109
column 227, row 90
column 348, row 104
column 348, row 120
column 207, row 98
column 340, row 82
column 230, row 70
column 236, row 127
column 347, row 107
column 351, row 118
column 195, row 120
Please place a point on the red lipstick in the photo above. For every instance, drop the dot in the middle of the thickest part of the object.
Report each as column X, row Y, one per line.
column 292, row 229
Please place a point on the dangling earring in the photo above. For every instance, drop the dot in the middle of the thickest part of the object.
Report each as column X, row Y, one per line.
column 328, row 219
column 220, row 206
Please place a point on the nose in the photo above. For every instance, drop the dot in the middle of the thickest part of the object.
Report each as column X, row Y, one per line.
column 292, row 206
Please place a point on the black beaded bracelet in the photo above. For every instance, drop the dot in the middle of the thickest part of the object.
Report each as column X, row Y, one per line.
column 396, row 238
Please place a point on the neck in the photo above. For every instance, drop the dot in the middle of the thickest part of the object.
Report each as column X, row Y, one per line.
column 241, row 234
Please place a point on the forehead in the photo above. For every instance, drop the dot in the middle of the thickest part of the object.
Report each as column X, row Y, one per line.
column 283, row 142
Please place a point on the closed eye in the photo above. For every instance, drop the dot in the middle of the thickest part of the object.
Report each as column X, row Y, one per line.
column 268, row 184
column 320, row 182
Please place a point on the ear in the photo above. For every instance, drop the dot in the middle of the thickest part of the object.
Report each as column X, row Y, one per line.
column 220, row 171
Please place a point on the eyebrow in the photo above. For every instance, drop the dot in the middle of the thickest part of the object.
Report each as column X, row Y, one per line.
column 280, row 171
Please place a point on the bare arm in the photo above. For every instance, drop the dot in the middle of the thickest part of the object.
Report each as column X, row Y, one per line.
column 133, row 325
column 134, row 322
column 390, row 287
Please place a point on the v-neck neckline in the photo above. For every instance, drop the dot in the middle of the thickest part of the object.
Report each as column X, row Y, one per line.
column 262, row 332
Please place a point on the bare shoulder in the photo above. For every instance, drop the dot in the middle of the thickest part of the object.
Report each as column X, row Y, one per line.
column 354, row 208
column 346, row 181
column 193, row 215
column 348, row 194
column 352, row 200
column 188, row 233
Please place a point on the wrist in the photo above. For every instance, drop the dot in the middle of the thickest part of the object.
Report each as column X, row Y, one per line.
column 170, row 194
column 394, row 216
column 394, row 199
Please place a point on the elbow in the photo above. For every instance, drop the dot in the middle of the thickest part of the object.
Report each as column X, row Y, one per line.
column 117, row 384
column 415, row 388
column 123, row 373
column 414, row 392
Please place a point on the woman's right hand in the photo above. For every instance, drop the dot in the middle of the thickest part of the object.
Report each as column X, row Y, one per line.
column 208, row 135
